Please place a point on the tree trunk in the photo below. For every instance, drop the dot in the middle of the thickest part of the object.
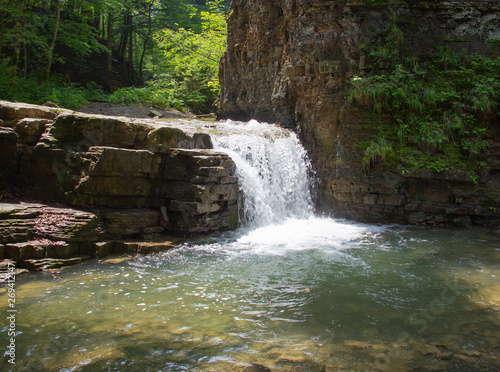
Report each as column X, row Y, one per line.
column 53, row 43
column 130, row 64
column 124, row 37
column 25, row 52
column 146, row 40
column 109, row 41
column 2, row 30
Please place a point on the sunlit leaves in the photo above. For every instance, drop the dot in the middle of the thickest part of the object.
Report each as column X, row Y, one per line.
column 192, row 58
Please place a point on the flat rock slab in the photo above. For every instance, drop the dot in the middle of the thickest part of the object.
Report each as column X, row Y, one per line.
column 140, row 247
column 138, row 167
column 25, row 221
column 31, row 231
column 52, row 263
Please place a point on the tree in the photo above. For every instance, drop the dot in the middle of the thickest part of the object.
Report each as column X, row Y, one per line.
column 192, row 59
column 54, row 38
column 113, row 43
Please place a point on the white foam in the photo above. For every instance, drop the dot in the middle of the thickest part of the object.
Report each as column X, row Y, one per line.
column 294, row 234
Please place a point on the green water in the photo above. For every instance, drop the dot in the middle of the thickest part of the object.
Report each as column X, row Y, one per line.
column 305, row 295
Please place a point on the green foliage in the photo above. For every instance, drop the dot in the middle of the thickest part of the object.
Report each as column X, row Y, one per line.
column 166, row 51
column 378, row 150
column 389, row 52
column 439, row 115
column 186, row 75
column 191, row 59
column 35, row 90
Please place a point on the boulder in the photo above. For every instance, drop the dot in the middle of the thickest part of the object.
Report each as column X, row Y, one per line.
column 155, row 113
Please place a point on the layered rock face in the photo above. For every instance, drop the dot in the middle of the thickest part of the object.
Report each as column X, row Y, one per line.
column 140, row 178
column 290, row 61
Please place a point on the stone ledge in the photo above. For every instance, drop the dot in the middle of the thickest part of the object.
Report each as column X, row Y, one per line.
column 96, row 161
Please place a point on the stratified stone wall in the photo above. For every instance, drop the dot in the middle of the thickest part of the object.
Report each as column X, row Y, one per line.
column 140, row 178
column 289, row 62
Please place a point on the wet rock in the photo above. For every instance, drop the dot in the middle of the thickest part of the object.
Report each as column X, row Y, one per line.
column 294, row 357
column 115, row 261
column 51, row 263
column 103, row 249
column 357, row 345
column 37, row 231
column 256, row 368
column 130, row 221
column 9, row 270
column 141, row 247
column 472, row 353
column 444, row 355
column 19, row 221
column 465, row 359
column 488, row 297
column 20, row 251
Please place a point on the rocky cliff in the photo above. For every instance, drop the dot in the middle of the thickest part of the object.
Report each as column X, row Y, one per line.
column 123, row 179
column 290, row 62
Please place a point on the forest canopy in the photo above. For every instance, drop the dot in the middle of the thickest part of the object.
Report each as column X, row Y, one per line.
column 162, row 53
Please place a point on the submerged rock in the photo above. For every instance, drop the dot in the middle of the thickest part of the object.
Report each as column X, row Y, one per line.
column 257, row 368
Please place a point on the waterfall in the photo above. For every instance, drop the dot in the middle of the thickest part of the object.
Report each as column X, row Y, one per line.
column 273, row 171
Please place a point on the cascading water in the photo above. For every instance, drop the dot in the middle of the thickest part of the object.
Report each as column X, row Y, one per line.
column 287, row 291
column 273, row 171
column 276, row 206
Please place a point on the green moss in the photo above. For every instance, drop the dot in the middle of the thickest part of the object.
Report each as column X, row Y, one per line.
column 376, row 3
column 361, row 145
column 458, row 40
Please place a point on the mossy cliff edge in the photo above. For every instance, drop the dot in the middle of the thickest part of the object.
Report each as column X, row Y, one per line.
column 396, row 101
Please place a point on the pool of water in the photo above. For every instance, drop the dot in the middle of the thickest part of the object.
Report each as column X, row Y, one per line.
column 313, row 294
column 289, row 292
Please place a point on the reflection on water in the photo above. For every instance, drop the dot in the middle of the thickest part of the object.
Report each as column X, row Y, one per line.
column 304, row 295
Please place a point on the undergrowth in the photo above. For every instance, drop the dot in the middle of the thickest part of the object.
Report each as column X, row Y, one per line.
column 438, row 112
column 34, row 89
